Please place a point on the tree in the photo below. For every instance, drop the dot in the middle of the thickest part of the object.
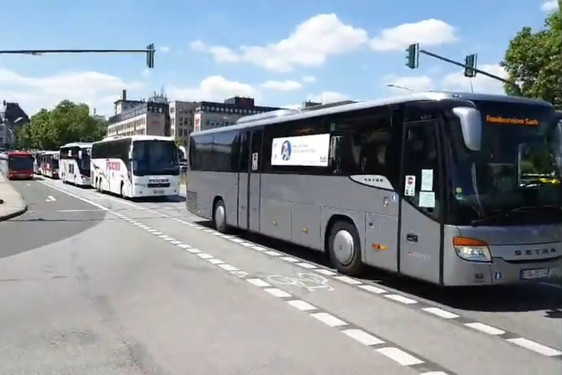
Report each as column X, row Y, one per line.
column 534, row 61
column 67, row 122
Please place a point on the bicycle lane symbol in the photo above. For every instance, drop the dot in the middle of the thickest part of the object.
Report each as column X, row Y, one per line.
column 308, row 281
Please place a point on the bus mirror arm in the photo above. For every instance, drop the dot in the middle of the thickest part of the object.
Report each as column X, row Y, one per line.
column 471, row 126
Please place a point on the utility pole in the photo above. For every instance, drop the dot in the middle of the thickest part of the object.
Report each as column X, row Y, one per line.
column 149, row 51
column 470, row 69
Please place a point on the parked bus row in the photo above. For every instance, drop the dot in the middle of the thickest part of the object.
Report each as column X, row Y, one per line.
column 455, row 189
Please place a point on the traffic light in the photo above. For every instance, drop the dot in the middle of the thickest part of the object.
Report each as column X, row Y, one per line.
column 470, row 62
column 413, row 56
column 150, row 55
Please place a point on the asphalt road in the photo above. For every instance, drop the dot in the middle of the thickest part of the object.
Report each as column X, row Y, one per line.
column 147, row 290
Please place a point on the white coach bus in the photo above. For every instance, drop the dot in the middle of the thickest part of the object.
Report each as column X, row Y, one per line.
column 74, row 163
column 452, row 188
column 136, row 166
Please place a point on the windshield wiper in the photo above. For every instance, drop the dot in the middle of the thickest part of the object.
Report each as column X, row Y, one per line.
column 507, row 213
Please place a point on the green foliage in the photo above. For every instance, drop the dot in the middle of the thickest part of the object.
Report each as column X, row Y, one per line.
column 67, row 122
column 534, row 61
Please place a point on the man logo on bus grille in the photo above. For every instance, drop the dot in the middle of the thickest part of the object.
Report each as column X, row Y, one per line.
column 286, row 150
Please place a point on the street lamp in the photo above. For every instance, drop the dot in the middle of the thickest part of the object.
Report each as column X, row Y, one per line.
column 399, row 87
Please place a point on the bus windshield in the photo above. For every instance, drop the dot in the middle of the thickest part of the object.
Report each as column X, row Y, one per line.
column 20, row 163
column 155, row 158
column 515, row 178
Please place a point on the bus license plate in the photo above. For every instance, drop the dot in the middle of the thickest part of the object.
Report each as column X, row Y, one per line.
column 158, row 191
column 537, row 273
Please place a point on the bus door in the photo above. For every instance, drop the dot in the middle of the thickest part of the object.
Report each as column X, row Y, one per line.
column 243, row 179
column 254, row 179
column 420, row 233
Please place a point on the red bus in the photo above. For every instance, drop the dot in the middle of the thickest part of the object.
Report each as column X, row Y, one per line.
column 18, row 165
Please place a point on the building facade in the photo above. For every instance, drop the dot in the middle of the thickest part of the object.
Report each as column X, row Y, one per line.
column 139, row 117
column 12, row 118
column 181, row 119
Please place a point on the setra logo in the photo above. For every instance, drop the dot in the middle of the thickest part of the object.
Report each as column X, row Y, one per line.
column 543, row 251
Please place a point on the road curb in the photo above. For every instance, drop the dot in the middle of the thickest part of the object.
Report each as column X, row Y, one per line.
column 11, row 215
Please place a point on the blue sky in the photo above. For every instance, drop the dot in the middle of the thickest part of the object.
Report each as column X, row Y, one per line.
column 350, row 49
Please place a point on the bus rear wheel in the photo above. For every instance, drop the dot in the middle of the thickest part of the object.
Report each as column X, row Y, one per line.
column 219, row 216
column 344, row 248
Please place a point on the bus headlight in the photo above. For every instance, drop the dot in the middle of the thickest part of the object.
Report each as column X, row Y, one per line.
column 472, row 249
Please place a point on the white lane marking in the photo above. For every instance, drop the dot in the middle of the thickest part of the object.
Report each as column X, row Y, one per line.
column 157, row 233
column 258, row 248
column 184, row 246
column 440, row 312
column 301, row 305
column 76, row 196
column 215, row 261
column 275, row 292
column 348, row 280
column 325, row 272
column 308, row 266
column 258, row 282
column 535, row 346
column 65, row 211
column 372, row 289
column 290, row 259
column 363, row 337
column 204, row 256
column 238, row 240
column 434, row 373
column 193, row 250
column 247, row 244
column 328, row 319
column 485, row 328
column 228, row 267
column 401, row 299
column 164, row 236
column 209, row 230
column 400, row 356
column 273, row 253
column 50, row 198
column 175, row 242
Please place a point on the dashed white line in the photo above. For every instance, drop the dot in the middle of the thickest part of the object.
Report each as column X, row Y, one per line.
column 215, row 261
column 183, row 246
column 325, row 272
column 401, row 299
column 535, row 346
column 275, row 292
column 228, row 267
column 485, row 328
column 290, row 259
column 247, row 244
column 258, row 282
column 175, row 242
column 258, row 248
column 157, row 233
column 372, row 289
column 237, row 240
column 440, row 312
column 348, row 280
column 308, row 266
column 273, row 253
column 301, row 305
column 328, row 319
column 434, row 373
column 363, row 337
column 193, row 250
column 204, row 256
column 400, row 356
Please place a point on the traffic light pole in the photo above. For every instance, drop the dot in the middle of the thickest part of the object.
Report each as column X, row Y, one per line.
column 149, row 52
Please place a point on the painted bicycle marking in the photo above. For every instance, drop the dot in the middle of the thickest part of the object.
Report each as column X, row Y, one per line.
column 308, row 281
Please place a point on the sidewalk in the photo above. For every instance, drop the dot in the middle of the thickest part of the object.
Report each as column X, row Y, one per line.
column 13, row 204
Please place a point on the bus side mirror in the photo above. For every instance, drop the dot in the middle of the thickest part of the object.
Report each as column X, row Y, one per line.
column 471, row 126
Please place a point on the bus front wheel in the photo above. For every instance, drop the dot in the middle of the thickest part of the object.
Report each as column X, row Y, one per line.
column 219, row 216
column 344, row 248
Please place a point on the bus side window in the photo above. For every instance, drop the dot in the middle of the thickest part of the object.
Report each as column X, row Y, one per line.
column 244, row 156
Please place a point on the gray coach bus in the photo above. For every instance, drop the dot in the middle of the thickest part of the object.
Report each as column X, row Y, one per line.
column 452, row 188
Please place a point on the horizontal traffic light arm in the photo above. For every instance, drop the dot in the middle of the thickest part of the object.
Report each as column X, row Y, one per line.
column 473, row 69
column 41, row 51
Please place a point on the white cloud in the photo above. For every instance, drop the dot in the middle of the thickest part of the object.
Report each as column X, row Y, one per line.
column 480, row 83
column 308, row 45
column 282, row 85
column 309, row 79
column 212, row 88
column 328, row 97
column 165, row 49
column 98, row 90
column 145, row 72
column 427, row 32
column 549, row 6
